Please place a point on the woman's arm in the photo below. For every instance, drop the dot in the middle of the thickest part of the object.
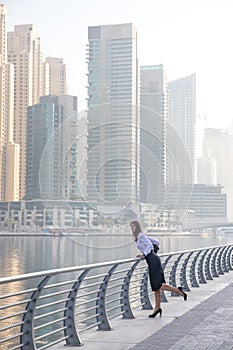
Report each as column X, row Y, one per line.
column 154, row 241
column 144, row 244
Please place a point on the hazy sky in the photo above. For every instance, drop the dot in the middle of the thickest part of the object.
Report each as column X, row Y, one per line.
column 185, row 36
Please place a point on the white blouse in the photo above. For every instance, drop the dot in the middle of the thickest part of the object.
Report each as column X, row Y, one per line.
column 145, row 244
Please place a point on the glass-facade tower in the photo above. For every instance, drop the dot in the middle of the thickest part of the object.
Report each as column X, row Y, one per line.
column 153, row 119
column 181, row 131
column 113, row 125
column 52, row 148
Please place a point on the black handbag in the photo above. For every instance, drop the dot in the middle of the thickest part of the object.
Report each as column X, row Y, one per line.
column 156, row 248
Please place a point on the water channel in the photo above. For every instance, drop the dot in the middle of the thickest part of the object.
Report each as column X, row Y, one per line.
column 23, row 254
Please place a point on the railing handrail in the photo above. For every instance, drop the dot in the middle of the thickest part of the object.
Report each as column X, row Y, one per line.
column 61, row 270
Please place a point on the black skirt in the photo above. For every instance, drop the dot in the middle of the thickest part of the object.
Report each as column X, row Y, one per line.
column 155, row 270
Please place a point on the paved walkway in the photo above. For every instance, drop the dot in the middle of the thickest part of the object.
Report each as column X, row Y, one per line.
column 205, row 321
column 208, row 325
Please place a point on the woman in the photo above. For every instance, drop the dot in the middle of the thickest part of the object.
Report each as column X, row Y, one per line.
column 156, row 275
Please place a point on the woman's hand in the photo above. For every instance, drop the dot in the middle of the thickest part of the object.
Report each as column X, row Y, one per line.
column 140, row 256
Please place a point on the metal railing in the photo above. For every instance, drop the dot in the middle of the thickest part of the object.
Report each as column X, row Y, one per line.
column 39, row 310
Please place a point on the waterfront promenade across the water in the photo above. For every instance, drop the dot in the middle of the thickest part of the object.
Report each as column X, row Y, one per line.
column 205, row 321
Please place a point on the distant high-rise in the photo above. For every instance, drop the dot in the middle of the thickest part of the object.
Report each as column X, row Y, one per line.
column 206, row 171
column 52, row 148
column 57, row 76
column 25, row 53
column 218, row 145
column 82, row 153
column 181, row 130
column 113, row 124
column 3, row 61
column 153, row 119
column 3, row 115
column 9, row 151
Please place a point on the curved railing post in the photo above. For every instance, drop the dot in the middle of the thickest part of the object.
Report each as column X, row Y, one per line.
column 124, row 297
column 101, row 312
column 219, row 261
column 172, row 277
column 164, row 264
column 213, row 263
column 232, row 258
column 229, row 257
column 144, row 295
column 208, row 275
column 224, row 259
column 183, row 272
column 27, row 328
column 210, row 269
column 200, row 268
column 69, row 322
column 192, row 271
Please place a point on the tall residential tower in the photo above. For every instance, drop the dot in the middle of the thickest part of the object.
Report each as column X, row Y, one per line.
column 56, row 76
column 181, row 130
column 9, row 151
column 153, row 119
column 113, row 124
column 25, row 52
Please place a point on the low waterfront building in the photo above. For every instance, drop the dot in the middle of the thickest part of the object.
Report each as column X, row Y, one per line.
column 208, row 203
column 38, row 215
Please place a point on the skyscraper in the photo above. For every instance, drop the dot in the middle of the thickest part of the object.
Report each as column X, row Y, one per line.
column 181, row 130
column 3, row 61
column 52, row 148
column 153, row 119
column 113, row 124
column 82, row 153
column 218, row 145
column 207, row 171
column 3, row 115
column 57, row 76
column 25, row 52
column 9, row 151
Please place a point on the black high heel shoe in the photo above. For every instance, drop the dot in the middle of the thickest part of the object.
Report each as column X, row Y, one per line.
column 184, row 294
column 158, row 311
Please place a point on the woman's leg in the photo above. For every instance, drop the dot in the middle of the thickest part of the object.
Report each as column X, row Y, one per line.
column 157, row 299
column 157, row 310
column 171, row 289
